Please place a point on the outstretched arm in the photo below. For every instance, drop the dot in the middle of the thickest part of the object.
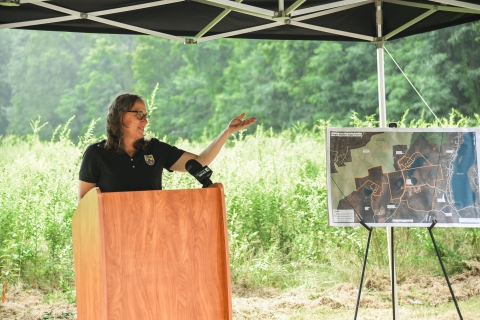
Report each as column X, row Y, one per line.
column 210, row 153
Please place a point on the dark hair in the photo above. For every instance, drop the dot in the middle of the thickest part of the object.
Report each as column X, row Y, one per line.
column 120, row 104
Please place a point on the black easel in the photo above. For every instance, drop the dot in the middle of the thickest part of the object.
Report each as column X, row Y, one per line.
column 443, row 268
column 434, row 222
column 364, row 264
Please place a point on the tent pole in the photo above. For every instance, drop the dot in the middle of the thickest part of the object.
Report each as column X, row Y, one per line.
column 382, row 114
column 383, row 124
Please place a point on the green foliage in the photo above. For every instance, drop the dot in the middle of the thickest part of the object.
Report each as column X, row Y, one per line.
column 274, row 178
column 44, row 65
column 443, row 65
column 202, row 87
column 276, row 201
column 105, row 71
column 5, row 89
column 37, row 205
column 188, row 80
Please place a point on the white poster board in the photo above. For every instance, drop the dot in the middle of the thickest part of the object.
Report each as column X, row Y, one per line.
column 403, row 177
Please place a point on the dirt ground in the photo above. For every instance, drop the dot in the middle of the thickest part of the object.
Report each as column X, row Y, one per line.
column 419, row 298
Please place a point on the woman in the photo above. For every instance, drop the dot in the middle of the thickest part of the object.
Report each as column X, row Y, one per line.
column 126, row 161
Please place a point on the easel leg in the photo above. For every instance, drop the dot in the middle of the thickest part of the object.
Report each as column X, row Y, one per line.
column 443, row 268
column 364, row 265
column 392, row 272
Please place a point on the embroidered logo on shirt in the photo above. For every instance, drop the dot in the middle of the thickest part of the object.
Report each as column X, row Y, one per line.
column 149, row 159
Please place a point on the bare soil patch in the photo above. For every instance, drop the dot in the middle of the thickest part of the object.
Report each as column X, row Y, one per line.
column 424, row 297
column 30, row 305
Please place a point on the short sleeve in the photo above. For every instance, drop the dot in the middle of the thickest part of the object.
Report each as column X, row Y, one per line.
column 172, row 154
column 89, row 171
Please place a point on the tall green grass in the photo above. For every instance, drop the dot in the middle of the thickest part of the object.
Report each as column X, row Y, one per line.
column 36, row 205
column 276, row 208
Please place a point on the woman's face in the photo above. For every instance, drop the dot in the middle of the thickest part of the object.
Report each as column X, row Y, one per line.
column 133, row 128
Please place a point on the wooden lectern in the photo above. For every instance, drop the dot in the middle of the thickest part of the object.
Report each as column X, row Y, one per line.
column 152, row 255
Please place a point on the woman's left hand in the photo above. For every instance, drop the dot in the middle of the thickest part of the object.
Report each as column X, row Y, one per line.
column 239, row 123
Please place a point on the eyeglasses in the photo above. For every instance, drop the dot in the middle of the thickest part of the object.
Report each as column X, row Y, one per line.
column 140, row 115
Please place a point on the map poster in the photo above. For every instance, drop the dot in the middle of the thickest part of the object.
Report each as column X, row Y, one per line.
column 403, row 177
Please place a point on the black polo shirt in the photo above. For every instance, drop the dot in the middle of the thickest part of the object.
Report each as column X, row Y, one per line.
column 119, row 172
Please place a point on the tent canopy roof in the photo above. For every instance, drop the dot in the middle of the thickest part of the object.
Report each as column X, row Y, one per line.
column 202, row 20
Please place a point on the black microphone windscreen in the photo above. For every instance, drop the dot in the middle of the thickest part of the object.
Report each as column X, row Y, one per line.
column 193, row 166
column 201, row 173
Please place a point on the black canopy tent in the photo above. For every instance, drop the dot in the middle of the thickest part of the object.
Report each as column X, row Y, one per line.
column 196, row 21
column 202, row 20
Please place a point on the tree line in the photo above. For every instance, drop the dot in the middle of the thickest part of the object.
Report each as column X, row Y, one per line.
column 56, row 75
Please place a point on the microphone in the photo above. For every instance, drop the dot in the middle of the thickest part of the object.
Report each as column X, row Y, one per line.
column 202, row 174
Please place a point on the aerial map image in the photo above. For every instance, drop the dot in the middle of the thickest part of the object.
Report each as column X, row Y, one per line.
column 403, row 177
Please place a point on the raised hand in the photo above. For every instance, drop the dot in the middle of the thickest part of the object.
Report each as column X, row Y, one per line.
column 238, row 123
